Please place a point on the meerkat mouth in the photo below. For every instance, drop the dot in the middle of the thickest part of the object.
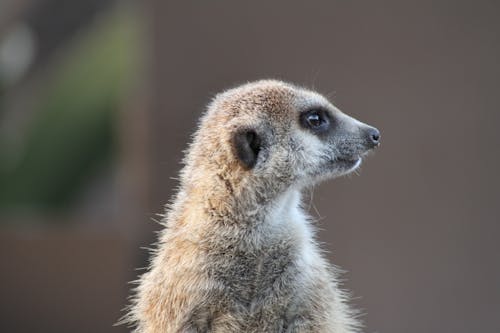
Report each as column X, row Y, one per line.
column 348, row 164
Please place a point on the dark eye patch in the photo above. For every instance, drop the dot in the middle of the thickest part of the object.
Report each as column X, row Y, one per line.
column 316, row 120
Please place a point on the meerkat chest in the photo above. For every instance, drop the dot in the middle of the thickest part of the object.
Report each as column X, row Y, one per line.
column 279, row 250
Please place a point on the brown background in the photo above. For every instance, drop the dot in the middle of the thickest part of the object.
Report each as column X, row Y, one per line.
column 417, row 231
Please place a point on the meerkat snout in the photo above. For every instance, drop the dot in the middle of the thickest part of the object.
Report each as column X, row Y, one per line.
column 238, row 253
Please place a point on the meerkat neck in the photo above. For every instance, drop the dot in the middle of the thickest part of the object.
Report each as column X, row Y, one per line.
column 241, row 203
column 284, row 207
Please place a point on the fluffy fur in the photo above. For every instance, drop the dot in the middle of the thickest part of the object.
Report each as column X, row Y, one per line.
column 238, row 254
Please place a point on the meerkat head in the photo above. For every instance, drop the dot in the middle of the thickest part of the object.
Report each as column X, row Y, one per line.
column 282, row 135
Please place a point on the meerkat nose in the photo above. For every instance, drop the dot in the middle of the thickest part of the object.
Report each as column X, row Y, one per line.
column 373, row 137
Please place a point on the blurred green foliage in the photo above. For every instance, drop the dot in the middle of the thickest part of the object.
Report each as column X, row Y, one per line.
column 72, row 133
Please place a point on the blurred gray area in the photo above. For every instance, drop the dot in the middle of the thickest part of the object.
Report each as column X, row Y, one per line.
column 417, row 230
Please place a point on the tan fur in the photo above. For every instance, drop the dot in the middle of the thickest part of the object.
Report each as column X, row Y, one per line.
column 237, row 253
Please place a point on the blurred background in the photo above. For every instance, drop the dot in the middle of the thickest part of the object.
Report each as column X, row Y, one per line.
column 98, row 99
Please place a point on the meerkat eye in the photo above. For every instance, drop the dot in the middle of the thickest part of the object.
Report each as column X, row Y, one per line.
column 316, row 120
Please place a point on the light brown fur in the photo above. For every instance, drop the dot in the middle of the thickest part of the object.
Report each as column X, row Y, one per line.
column 237, row 253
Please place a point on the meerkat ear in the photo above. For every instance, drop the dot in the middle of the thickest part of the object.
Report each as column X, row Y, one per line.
column 247, row 144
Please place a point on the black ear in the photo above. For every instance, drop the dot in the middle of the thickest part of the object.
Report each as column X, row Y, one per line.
column 247, row 146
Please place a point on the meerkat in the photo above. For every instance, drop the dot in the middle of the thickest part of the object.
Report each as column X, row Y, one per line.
column 238, row 253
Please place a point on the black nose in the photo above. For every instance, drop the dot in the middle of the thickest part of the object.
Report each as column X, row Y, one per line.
column 373, row 136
